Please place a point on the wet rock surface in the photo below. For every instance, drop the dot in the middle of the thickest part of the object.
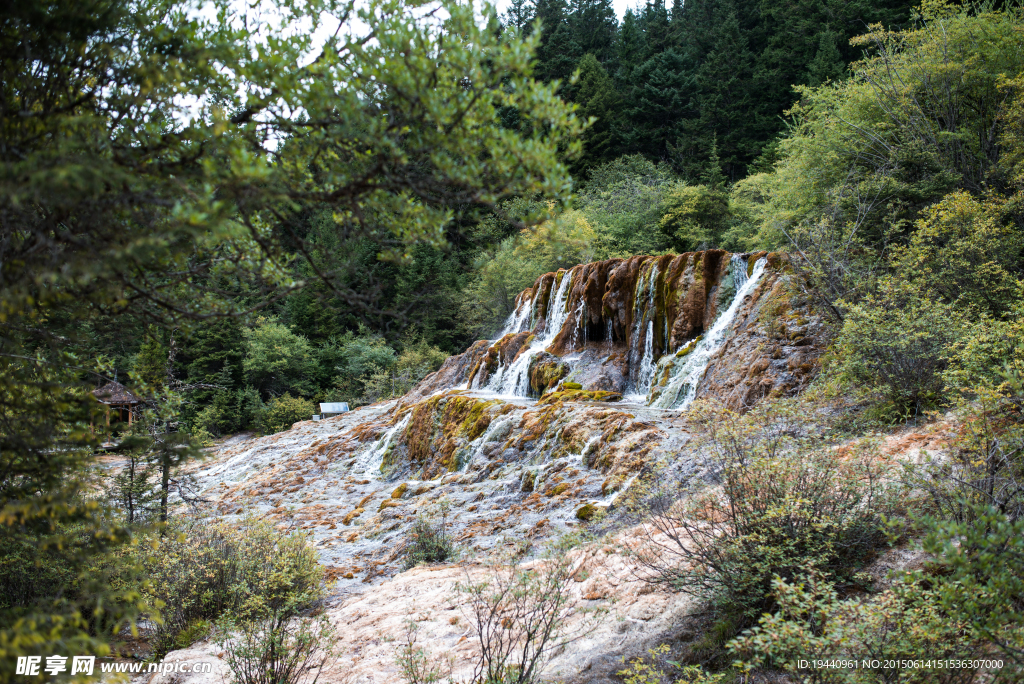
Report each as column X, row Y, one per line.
column 620, row 325
column 512, row 473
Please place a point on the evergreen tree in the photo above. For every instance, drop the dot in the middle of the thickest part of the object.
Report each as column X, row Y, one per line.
column 592, row 26
column 556, row 56
column 519, row 16
column 595, row 93
column 658, row 101
column 657, row 31
column 722, row 100
column 827, row 64
column 629, row 48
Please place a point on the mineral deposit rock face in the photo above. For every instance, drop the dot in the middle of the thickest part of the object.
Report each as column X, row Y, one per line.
column 662, row 330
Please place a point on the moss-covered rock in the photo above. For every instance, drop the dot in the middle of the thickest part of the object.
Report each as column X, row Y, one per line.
column 439, row 429
column 589, row 511
column 571, row 386
column 579, row 395
column 559, row 488
column 546, row 371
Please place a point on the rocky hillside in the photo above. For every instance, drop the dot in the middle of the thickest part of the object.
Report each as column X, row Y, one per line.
column 528, row 435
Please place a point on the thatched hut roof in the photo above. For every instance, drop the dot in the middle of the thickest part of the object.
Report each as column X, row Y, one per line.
column 115, row 393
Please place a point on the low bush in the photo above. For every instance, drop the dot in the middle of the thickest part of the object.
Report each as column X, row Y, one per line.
column 277, row 649
column 417, row 666
column 520, row 615
column 903, row 624
column 205, row 570
column 900, row 343
column 428, row 541
column 984, row 466
column 651, row 669
column 280, row 413
column 785, row 504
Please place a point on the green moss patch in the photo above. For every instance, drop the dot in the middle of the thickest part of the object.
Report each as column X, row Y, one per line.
column 579, row 395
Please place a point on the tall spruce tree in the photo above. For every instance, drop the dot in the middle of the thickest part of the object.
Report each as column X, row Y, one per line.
column 592, row 27
column 596, row 96
column 519, row 15
column 629, row 50
column 556, row 56
column 658, row 102
column 722, row 100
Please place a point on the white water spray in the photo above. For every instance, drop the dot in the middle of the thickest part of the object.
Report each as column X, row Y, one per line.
column 686, row 376
column 515, row 321
column 516, row 380
column 372, row 459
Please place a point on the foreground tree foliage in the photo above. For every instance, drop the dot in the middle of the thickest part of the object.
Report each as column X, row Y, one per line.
column 154, row 163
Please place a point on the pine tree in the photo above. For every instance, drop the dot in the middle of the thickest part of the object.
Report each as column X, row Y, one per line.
column 658, row 103
column 556, row 56
column 722, row 102
column 657, row 31
column 629, row 46
column 827, row 64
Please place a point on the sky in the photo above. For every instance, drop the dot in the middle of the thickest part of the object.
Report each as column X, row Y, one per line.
column 619, row 5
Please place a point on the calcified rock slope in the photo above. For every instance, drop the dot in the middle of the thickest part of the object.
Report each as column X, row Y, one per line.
column 528, row 434
column 635, row 326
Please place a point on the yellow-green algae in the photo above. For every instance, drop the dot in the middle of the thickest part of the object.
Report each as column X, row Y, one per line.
column 579, row 395
column 437, row 427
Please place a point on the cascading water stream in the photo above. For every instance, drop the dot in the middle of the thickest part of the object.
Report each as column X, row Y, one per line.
column 516, row 319
column 516, row 380
column 641, row 364
column 686, row 376
column 371, row 460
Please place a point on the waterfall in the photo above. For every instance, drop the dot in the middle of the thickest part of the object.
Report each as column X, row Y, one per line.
column 682, row 387
column 645, row 373
column 514, row 323
column 372, row 459
column 641, row 364
column 579, row 325
column 516, row 380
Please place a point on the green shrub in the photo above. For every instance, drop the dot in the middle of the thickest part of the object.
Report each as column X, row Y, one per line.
column 622, row 200
column 417, row 360
column 983, row 466
column 276, row 359
column 900, row 342
column 31, row 571
column 650, row 669
column 695, row 217
column 429, row 542
column 785, row 505
column 904, row 623
column 198, row 630
column 280, row 413
column 417, row 666
column 203, row 570
column 980, row 582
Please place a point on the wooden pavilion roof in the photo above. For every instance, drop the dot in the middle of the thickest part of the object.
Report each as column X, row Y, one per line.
column 115, row 393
